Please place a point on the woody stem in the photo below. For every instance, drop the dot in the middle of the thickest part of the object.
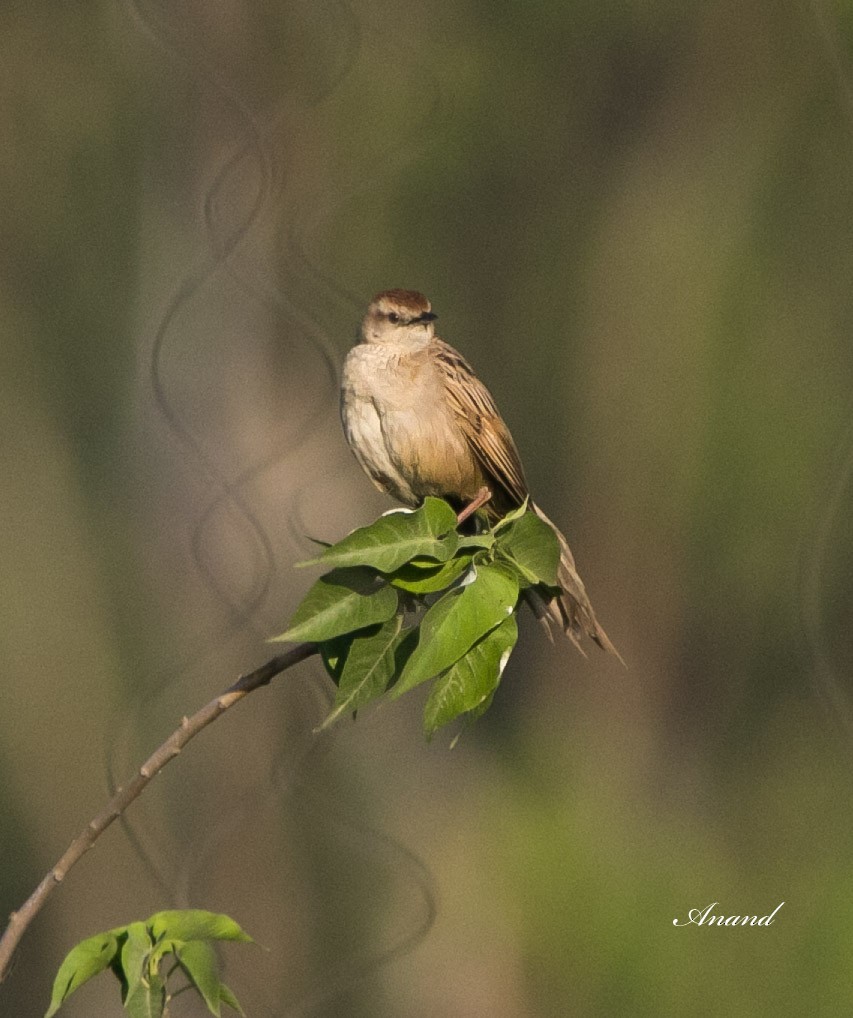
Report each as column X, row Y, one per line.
column 189, row 727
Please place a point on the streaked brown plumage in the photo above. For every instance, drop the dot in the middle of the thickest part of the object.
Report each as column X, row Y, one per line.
column 421, row 423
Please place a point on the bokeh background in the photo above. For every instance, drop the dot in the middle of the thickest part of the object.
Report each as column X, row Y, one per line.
column 635, row 220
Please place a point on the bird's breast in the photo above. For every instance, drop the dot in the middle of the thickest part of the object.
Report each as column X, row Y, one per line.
column 401, row 428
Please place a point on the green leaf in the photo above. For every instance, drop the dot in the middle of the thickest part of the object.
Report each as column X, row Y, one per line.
column 368, row 666
column 481, row 708
column 484, row 540
column 457, row 621
column 198, row 960
column 87, row 959
column 148, row 999
column 135, row 954
column 417, row 579
column 469, row 684
column 195, row 924
column 334, row 652
column 340, row 602
column 227, row 997
column 531, row 545
column 396, row 538
column 511, row 517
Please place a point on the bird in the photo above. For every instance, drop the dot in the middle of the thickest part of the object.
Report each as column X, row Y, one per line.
column 420, row 422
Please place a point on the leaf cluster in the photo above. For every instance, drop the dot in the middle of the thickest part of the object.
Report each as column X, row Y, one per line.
column 135, row 954
column 410, row 599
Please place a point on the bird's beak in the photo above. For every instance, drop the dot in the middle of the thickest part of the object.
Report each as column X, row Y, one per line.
column 427, row 316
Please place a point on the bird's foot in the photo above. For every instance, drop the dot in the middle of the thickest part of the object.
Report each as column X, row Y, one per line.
column 479, row 500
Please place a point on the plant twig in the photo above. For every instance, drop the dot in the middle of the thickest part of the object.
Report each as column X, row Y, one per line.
column 189, row 728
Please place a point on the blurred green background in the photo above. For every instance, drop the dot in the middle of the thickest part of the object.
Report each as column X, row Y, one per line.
column 635, row 220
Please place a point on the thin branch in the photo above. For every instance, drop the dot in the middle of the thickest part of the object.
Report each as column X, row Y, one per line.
column 189, row 728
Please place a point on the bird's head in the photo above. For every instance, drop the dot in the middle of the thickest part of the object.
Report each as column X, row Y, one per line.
column 399, row 316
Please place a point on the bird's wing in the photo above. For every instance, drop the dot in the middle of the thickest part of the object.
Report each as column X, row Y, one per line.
column 480, row 421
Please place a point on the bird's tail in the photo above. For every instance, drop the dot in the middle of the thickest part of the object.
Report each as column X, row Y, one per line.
column 570, row 609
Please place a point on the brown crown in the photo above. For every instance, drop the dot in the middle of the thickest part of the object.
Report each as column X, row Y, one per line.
column 409, row 300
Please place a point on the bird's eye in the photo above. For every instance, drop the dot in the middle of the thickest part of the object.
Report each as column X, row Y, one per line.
column 393, row 317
